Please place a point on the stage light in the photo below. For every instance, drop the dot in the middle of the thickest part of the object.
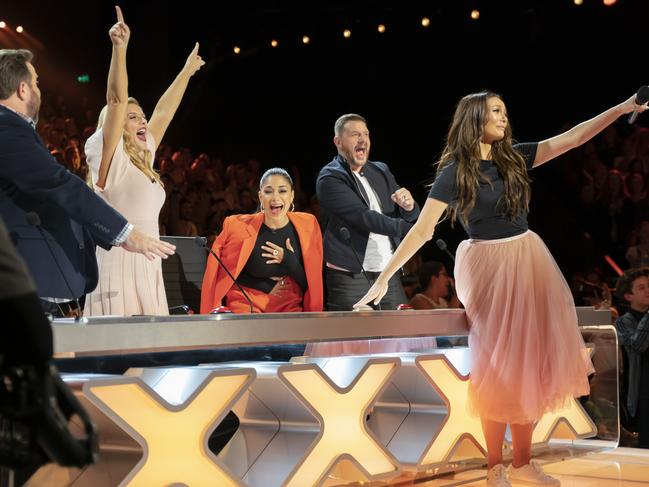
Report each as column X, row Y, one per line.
column 608, row 3
column 475, row 14
column 237, row 50
column 19, row 29
column 306, row 39
column 578, row 2
column 381, row 28
column 347, row 33
column 613, row 265
column 2, row 24
column 425, row 22
column 274, row 43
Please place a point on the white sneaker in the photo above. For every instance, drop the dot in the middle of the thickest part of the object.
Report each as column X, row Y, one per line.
column 532, row 473
column 497, row 476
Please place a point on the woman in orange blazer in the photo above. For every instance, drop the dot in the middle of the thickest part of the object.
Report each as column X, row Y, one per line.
column 275, row 255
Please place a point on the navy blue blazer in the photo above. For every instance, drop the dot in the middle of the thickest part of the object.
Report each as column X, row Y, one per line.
column 72, row 216
column 345, row 204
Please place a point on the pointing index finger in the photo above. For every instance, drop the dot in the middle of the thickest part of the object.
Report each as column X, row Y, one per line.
column 120, row 16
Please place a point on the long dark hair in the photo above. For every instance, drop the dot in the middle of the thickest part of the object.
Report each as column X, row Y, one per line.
column 463, row 148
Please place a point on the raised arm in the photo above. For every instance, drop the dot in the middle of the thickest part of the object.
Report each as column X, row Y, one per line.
column 168, row 103
column 116, row 96
column 419, row 234
column 550, row 148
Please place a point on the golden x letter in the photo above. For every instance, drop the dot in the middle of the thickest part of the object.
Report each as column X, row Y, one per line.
column 453, row 387
column 342, row 414
column 173, row 437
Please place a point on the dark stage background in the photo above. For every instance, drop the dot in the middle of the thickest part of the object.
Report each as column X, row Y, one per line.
column 554, row 62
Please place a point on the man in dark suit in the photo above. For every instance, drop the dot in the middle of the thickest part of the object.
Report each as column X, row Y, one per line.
column 30, row 340
column 44, row 205
column 363, row 197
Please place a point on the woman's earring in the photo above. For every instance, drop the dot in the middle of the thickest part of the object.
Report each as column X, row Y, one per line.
column 292, row 207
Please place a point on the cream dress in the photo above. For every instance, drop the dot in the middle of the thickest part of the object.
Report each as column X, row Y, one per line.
column 129, row 284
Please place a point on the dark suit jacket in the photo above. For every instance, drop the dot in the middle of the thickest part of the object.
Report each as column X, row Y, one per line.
column 31, row 341
column 345, row 204
column 72, row 216
column 236, row 242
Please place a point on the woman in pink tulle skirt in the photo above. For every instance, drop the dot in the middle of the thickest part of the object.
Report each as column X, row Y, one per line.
column 528, row 356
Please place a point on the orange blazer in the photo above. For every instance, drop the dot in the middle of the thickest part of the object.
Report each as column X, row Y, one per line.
column 236, row 242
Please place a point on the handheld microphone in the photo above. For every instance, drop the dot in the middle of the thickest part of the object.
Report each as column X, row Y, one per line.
column 641, row 98
column 34, row 220
column 442, row 246
column 202, row 242
column 344, row 233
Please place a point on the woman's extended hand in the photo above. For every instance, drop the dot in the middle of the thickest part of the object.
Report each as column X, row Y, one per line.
column 194, row 61
column 119, row 33
column 275, row 253
column 631, row 106
column 376, row 292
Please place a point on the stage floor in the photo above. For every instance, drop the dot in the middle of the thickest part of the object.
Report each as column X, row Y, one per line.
column 617, row 467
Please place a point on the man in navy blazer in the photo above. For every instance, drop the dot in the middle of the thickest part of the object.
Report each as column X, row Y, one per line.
column 40, row 199
column 366, row 215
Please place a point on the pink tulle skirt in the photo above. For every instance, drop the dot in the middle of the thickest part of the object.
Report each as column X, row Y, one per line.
column 528, row 356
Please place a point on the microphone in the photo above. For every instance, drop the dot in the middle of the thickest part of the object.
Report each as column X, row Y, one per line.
column 641, row 98
column 344, row 233
column 442, row 246
column 202, row 242
column 34, row 220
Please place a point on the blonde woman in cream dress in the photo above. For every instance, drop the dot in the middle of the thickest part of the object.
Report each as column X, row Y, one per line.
column 120, row 155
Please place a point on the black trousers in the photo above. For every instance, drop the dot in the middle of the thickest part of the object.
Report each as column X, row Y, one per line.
column 642, row 414
column 344, row 289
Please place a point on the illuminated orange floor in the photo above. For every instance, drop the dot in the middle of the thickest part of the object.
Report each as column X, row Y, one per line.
column 619, row 467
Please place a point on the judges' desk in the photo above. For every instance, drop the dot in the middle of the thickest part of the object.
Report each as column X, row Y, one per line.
column 302, row 421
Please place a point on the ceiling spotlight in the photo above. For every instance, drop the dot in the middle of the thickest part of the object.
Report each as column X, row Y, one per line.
column 381, row 28
column 19, row 29
column 347, row 33
column 274, row 43
column 475, row 14
column 425, row 22
column 578, row 2
column 306, row 39
column 237, row 50
column 608, row 3
column 2, row 24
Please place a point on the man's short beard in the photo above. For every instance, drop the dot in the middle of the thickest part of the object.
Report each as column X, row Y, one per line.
column 351, row 160
column 33, row 106
column 33, row 110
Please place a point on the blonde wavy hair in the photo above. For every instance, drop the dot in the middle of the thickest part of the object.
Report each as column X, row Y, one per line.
column 143, row 163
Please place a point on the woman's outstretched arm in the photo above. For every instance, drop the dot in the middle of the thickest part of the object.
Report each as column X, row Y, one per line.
column 550, row 148
column 168, row 104
column 420, row 233
column 116, row 96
